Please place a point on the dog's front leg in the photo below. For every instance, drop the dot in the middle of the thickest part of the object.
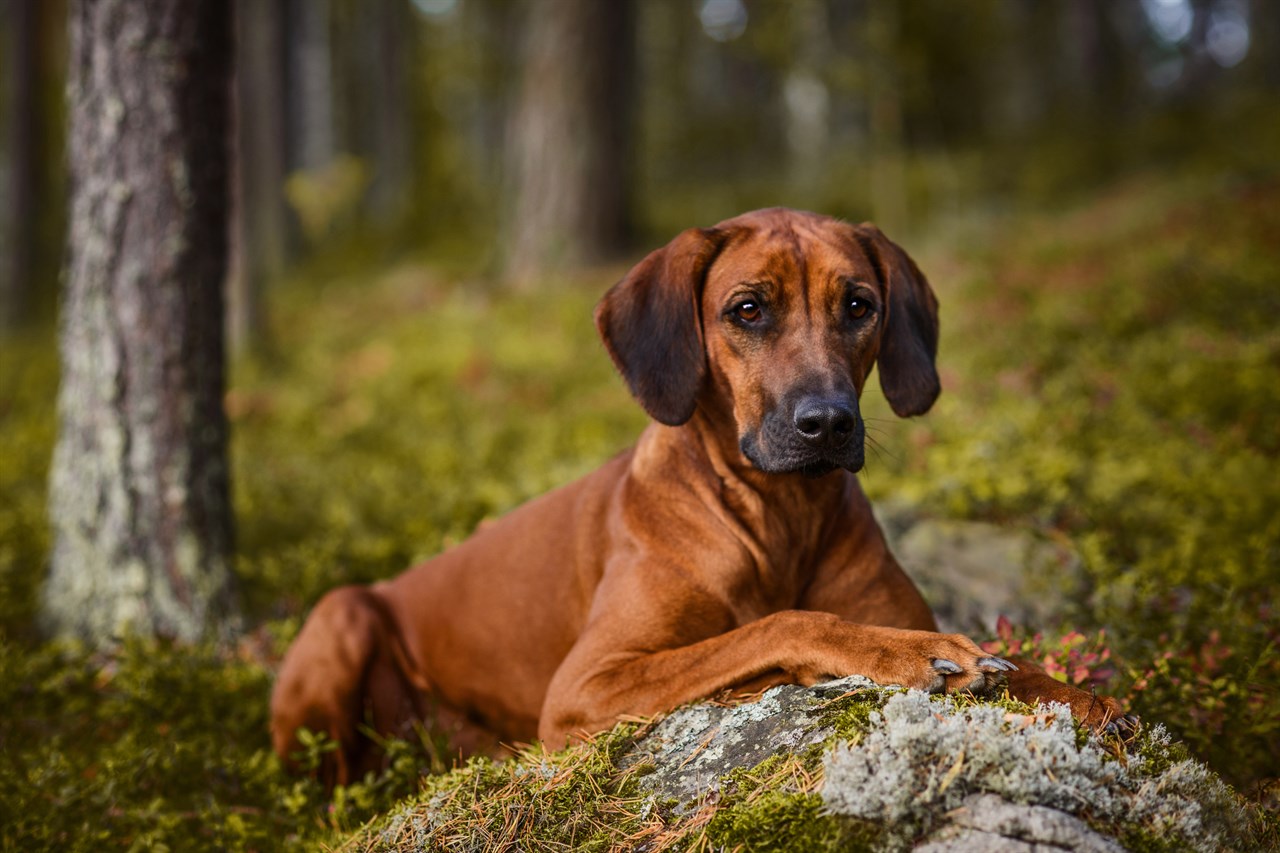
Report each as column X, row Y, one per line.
column 615, row 670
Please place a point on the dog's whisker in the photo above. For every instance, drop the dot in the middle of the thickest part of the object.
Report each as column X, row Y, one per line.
column 881, row 451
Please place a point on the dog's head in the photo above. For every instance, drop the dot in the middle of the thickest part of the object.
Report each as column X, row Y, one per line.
column 776, row 317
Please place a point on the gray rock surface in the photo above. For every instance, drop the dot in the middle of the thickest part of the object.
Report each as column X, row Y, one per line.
column 986, row 823
column 691, row 749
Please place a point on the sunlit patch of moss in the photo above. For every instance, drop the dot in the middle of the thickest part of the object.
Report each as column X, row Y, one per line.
column 400, row 416
column 576, row 798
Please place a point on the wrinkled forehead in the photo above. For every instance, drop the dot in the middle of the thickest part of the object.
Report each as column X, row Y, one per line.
column 811, row 250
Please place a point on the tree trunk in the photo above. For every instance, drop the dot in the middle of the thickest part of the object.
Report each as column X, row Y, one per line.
column 18, row 241
column 260, row 231
column 311, row 130
column 886, row 135
column 807, row 98
column 139, row 487
column 389, row 29
column 569, row 150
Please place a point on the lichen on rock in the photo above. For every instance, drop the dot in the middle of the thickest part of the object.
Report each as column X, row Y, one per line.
column 926, row 757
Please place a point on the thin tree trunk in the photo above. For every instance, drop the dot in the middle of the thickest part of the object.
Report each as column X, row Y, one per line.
column 886, row 135
column 390, row 45
column 807, row 98
column 569, row 151
column 18, row 218
column 311, row 127
column 139, row 487
column 260, row 233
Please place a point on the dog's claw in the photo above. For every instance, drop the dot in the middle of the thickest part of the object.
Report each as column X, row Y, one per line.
column 998, row 664
column 1123, row 726
column 947, row 667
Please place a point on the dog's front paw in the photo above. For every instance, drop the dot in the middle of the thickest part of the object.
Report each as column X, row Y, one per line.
column 944, row 663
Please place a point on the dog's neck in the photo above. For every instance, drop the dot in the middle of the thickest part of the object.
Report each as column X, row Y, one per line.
column 721, row 474
column 785, row 521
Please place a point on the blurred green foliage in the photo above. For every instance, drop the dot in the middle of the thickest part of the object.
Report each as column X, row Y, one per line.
column 1110, row 374
column 28, row 383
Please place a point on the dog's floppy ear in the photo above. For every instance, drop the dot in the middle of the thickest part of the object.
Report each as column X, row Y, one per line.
column 910, row 343
column 651, row 324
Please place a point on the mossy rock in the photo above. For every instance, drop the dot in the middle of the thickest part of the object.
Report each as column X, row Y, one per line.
column 845, row 765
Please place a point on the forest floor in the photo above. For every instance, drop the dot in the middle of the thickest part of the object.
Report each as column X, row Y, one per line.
column 1111, row 377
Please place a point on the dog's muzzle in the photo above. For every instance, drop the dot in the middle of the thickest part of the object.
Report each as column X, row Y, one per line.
column 815, row 436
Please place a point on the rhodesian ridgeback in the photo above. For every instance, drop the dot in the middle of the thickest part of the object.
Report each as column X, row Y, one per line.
column 729, row 550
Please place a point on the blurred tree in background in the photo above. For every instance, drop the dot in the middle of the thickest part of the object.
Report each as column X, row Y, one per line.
column 32, row 37
column 260, row 236
column 570, row 140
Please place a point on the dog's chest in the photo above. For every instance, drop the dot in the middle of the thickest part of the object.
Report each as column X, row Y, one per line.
column 776, row 552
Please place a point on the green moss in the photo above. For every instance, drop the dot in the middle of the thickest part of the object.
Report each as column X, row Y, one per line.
column 786, row 821
column 995, row 698
column 398, row 417
column 579, row 799
column 849, row 716
column 773, row 806
column 28, row 387
column 576, row 798
column 1137, row 840
column 154, row 746
column 1156, row 755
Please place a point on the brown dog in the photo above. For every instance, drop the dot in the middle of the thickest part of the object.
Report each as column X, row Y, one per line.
column 731, row 548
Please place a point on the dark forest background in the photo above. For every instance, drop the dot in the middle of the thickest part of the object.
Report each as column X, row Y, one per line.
column 385, row 126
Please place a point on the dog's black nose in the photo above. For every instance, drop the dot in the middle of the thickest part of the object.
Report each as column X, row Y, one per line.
column 825, row 424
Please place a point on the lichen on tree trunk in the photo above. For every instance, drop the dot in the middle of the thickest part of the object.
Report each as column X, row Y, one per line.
column 139, row 491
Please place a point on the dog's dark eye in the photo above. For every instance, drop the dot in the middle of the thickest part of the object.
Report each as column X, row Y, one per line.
column 857, row 308
column 748, row 312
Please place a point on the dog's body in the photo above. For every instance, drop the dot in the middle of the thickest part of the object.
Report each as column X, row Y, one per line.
column 726, row 551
